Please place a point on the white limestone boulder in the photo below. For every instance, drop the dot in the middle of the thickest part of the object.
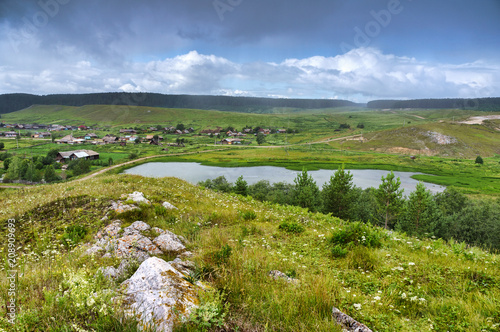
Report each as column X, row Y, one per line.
column 152, row 293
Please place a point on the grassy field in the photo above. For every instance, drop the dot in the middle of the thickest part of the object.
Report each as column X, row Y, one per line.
column 397, row 283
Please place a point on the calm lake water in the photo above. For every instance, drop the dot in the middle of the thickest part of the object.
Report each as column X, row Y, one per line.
column 194, row 172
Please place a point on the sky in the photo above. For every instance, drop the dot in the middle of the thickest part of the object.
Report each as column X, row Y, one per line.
column 358, row 50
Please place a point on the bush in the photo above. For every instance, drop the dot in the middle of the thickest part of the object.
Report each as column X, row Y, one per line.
column 338, row 251
column 211, row 312
column 479, row 160
column 362, row 258
column 358, row 233
column 291, row 227
column 248, row 215
column 73, row 235
column 222, row 256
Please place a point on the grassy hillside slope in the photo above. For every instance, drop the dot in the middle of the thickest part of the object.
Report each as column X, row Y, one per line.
column 384, row 279
column 317, row 120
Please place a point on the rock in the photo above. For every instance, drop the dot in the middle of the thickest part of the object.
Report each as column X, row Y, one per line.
column 111, row 230
column 138, row 197
column 183, row 266
column 109, row 272
column 347, row 322
column 136, row 228
column 169, row 206
column 119, row 207
column 158, row 230
column 93, row 250
column 153, row 291
column 136, row 245
column 185, row 254
column 275, row 274
column 169, row 243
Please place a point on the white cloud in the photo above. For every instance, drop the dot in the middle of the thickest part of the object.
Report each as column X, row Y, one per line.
column 362, row 74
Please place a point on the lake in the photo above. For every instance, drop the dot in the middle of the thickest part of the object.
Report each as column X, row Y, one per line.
column 195, row 172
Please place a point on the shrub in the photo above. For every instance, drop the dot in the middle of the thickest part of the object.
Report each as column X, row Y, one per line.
column 248, row 215
column 362, row 258
column 479, row 160
column 357, row 233
column 211, row 312
column 291, row 227
column 73, row 235
column 222, row 256
column 338, row 251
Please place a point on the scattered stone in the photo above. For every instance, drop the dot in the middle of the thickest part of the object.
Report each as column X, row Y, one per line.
column 136, row 245
column 158, row 230
column 169, row 206
column 169, row 243
column 111, row 230
column 136, row 228
column 153, row 291
column 347, row 322
column 185, row 254
column 109, row 272
column 138, row 197
column 93, row 250
column 119, row 207
column 275, row 274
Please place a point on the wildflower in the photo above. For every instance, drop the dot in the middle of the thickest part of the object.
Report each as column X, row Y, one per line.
column 357, row 306
column 377, row 298
column 403, row 296
column 411, row 263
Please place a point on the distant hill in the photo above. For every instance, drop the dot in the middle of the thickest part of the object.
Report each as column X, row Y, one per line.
column 17, row 101
column 481, row 104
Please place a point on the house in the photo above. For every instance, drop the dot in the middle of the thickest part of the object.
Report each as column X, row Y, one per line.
column 68, row 139
column 178, row 132
column 65, row 156
column 110, row 139
column 231, row 141
column 82, row 127
column 91, row 136
column 128, row 131
column 281, row 131
column 10, row 134
column 247, row 130
column 264, row 131
column 153, row 129
column 41, row 135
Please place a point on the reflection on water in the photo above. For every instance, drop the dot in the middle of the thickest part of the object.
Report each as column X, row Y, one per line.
column 194, row 172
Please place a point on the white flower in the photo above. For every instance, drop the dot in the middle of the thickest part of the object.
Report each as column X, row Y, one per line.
column 377, row 298
column 403, row 296
column 411, row 263
column 357, row 306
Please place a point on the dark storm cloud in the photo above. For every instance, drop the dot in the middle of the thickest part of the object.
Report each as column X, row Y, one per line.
column 321, row 48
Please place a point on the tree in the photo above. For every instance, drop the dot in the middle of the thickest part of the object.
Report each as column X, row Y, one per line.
column 261, row 138
column 421, row 213
column 110, row 161
column 180, row 127
column 2, row 146
column 479, row 160
column 241, row 186
column 306, row 193
column 156, row 138
column 138, row 140
column 337, row 194
column 50, row 174
column 390, row 198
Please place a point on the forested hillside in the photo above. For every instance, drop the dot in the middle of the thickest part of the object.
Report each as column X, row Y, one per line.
column 482, row 104
column 17, row 101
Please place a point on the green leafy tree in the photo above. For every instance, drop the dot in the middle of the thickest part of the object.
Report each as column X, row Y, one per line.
column 390, row 198
column 14, row 169
column 421, row 213
column 306, row 193
column 337, row 194
column 241, row 186
column 261, row 138
column 110, row 161
column 180, row 127
column 2, row 146
column 50, row 174
column 479, row 160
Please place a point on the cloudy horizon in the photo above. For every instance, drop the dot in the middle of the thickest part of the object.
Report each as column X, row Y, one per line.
column 357, row 50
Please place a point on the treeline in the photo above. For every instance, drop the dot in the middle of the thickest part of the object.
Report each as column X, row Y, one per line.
column 17, row 101
column 480, row 104
column 447, row 215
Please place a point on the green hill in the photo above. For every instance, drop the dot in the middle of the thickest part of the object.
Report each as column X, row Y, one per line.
column 386, row 280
